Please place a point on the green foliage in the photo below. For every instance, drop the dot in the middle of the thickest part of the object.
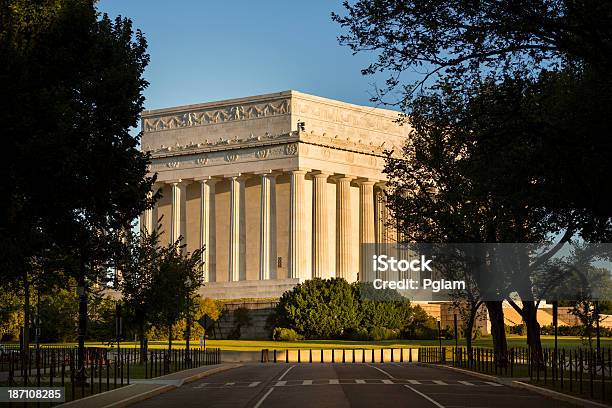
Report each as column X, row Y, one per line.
column 359, row 334
column 392, row 315
column 76, row 75
column 284, row 334
column 58, row 311
column 383, row 333
column 101, row 319
column 320, row 308
column 208, row 306
column 422, row 326
column 580, row 331
column 332, row 308
column 519, row 329
column 174, row 285
column 11, row 317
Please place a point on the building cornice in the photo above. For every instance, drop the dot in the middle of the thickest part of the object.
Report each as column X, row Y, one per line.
column 310, row 138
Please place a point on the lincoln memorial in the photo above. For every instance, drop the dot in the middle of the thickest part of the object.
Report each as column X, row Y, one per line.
column 277, row 188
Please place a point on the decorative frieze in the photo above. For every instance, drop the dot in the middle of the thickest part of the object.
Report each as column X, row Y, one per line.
column 216, row 115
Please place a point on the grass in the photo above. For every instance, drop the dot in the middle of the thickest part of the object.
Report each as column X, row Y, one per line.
column 256, row 345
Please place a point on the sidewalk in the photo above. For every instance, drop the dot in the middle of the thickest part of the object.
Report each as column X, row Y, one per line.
column 140, row 390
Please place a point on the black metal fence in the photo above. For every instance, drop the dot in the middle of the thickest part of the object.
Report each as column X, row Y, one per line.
column 580, row 371
column 103, row 369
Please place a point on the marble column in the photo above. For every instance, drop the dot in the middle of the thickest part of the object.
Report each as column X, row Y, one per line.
column 344, row 256
column 266, row 226
column 177, row 220
column 380, row 214
column 236, row 227
column 146, row 221
column 297, row 227
column 207, row 219
column 366, row 227
column 320, row 232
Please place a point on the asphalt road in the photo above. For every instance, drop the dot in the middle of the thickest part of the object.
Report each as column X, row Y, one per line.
column 346, row 385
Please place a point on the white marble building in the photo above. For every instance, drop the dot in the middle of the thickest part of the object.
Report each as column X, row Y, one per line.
column 278, row 188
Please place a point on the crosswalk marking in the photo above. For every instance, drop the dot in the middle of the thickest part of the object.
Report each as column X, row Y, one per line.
column 347, row 381
column 493, row 384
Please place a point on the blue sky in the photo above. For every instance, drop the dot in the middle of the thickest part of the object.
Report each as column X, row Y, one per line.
column 209, row 50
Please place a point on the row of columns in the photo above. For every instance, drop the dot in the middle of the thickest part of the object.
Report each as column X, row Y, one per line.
column 320, row 262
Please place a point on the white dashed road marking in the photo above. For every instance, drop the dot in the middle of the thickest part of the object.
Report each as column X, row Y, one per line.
column 348, row 381
column 493, row 384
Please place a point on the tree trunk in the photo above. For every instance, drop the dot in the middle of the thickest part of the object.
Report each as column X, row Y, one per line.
column 169, row 357
column 533, row 331
column 498, row 332
column 468, row 331
column 143, row 344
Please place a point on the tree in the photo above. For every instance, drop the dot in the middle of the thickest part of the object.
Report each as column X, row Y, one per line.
column 320, row 308
column 174, row 285
column 459, row 39
column 72, row 82
column 139, row 264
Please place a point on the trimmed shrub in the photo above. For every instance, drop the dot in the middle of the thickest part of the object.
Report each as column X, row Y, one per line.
column 359, row 334
column 320, row 308
column 383, row 333
column 421, row 326
column 284, row 334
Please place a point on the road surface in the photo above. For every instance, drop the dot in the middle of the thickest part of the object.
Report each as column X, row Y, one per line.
column 346, row 385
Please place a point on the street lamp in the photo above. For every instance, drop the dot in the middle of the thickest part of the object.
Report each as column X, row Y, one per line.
column 438, row 320
column 188, row 331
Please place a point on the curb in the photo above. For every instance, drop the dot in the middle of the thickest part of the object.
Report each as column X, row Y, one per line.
column 153, row 392
column 581, row 402
column 141, row 397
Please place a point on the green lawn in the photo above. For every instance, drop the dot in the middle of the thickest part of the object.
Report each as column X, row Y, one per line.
column 256, row 345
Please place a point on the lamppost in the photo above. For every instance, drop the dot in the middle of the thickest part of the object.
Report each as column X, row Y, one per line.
column 188, row 331
column 456, row 331
column 440, row 336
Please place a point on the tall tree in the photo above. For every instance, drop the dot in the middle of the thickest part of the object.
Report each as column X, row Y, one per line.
column 72, row 83
column 544, row 144
column 139, row 263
